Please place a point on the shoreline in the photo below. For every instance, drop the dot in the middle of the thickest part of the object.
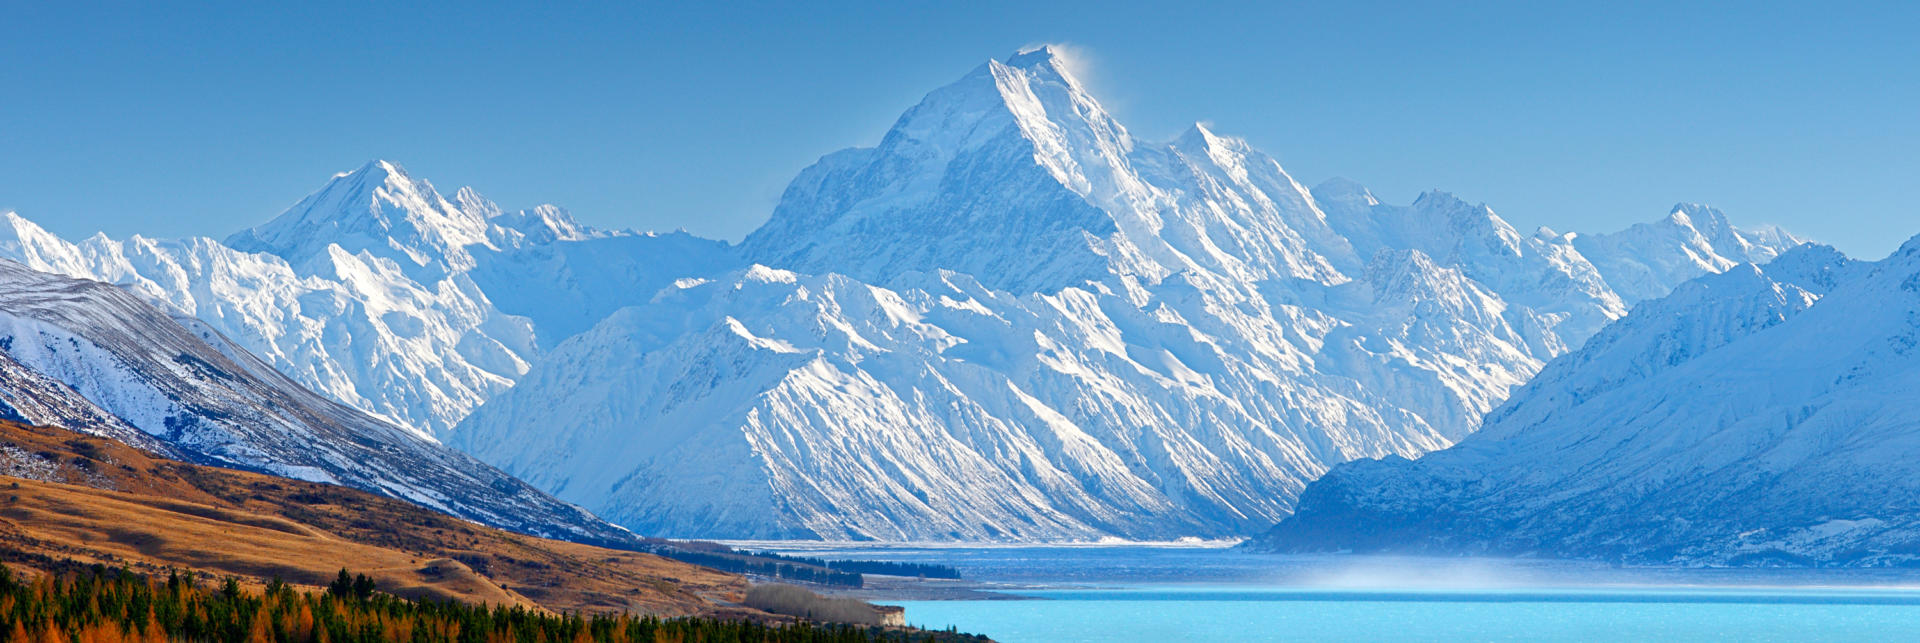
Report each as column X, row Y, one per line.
column 880, row 589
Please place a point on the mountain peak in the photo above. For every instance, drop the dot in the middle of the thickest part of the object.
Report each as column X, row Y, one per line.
column 1200, row 137
column 381, row 167
column 1699, row 216
column 375, row 172
column 1911, row 248
column 1347, row 192
column 1046, row 63
column 359, row 183
column 1437, row 200
column 1057, row 163
column 1028, row 58
column 377, row 208
column 544, row 223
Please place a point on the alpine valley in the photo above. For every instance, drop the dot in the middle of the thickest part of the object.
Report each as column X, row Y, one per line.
column 1008, row 320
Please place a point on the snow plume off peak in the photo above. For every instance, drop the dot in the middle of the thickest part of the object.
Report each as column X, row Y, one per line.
column 1072, row 61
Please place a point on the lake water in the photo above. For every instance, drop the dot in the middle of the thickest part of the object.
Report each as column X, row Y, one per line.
column 1195, row 593
column 1241, row 614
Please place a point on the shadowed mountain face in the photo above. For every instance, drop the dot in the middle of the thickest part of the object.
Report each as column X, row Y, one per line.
column 1763, row 416
column 107, row 362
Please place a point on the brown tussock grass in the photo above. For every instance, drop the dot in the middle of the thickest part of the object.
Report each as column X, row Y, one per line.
column 115, row 505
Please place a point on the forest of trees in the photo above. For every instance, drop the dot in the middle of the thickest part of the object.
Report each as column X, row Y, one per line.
column 838, row 573
column 738, row 562
column 98, row 605
column 795, row 601
column 884, row 567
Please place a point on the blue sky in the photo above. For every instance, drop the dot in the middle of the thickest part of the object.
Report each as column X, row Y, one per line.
column 203, row 119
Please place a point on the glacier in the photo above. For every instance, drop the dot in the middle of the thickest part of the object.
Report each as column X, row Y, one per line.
column 1758, row 417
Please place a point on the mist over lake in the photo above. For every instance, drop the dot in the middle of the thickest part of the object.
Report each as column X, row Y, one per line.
column 1211, row 592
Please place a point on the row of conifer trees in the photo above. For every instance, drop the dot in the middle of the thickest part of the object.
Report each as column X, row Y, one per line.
column 98, row 605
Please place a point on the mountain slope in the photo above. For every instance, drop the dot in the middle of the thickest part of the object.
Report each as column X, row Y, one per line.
column 213, row 402
column 1755, row 417
column 1012, row 320
column 351, row 326
column 385, row 295
column 84, row 499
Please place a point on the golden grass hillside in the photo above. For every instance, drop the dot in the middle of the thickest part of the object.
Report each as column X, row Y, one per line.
column 65, row 495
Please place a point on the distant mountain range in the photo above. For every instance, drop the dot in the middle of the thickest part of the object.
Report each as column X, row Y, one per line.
column 1764, row 416
column 1008, row 320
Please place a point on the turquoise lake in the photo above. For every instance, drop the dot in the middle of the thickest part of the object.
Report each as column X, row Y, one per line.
column 1211, row 593
column 1242, row 614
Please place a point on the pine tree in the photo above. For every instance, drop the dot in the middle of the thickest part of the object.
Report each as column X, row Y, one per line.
column 363, row 587
column 342, row 585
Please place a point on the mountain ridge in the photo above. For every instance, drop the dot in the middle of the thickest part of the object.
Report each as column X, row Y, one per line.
column 115, row 355
column 1751, row 418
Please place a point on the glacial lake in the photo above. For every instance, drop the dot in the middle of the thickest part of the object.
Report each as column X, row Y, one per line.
column 1205, row 592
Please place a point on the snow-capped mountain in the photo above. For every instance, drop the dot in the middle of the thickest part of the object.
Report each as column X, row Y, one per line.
column 352, row 326
column 1649, row 259
column 1009, row 319
column 102, row 360
column 1762, row 416
column 379, row 292
column 379, row 210
column 1012, row 320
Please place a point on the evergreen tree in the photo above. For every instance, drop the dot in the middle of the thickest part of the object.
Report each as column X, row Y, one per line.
column 99, row 605
column 342, row 586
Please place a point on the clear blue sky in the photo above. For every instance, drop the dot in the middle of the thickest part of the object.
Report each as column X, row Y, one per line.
column 178, row 119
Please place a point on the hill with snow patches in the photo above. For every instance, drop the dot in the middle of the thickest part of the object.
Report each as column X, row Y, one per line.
column 1009, row 320
column 89, row 356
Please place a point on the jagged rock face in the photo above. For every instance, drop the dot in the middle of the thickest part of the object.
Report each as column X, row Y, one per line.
column 101, row 360
column 1761, row 417
column 1011, row 320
